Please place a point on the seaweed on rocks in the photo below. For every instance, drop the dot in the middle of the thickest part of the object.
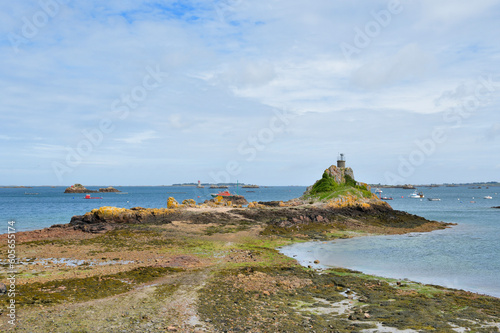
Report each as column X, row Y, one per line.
column 295, row 299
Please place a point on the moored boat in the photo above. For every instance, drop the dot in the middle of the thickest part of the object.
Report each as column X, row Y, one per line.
column 221, row 194
column 416, row 195
column 89, row 197
column 433, row 199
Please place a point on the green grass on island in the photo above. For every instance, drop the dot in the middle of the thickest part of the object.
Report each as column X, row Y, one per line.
column 327, row 189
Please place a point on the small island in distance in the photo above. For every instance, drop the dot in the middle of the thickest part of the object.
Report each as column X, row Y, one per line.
column 79, row 188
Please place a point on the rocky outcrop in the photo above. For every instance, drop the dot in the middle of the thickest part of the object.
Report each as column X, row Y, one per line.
column 78, row 188
column 108, row 189
column 234, row 199
column 337, row 187
column 339, row 173
column 106, row 218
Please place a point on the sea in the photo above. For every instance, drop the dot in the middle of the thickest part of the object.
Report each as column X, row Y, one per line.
column 465, row 256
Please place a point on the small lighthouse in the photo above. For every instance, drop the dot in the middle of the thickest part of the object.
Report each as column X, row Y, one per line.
column 341, row 161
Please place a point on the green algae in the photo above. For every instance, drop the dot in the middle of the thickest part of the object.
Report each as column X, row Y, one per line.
column 126, row 239
column 421, row 308
column 58, row 242
column 222, row 229
column 85, row 289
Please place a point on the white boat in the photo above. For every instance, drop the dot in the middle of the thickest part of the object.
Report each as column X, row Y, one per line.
column 416, row 195
column 488, row 197
column 378, row 191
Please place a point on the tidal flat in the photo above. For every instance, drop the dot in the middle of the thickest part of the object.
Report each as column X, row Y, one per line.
column 218, row 270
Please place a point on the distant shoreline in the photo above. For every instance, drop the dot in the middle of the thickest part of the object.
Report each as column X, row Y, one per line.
column 485, row 184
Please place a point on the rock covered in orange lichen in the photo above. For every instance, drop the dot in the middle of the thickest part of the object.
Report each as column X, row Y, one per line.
column 189, row 203
column 102, row 219
column 255, row 204
column 172, row 203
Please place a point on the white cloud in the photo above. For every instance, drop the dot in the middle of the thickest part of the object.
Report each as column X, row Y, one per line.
column 450, row 11
column 139, row 138
column 410, row 63
column 227, row 70
column 493, row 132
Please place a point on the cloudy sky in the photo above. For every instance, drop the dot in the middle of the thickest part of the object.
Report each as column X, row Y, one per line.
column 269, row 92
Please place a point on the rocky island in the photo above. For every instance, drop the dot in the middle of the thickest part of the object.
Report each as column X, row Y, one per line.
column 108, row 189
column 214, row 267
column 79, row 188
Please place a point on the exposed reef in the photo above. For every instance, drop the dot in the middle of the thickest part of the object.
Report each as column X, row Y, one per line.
column 283, row 219
column 106, row 218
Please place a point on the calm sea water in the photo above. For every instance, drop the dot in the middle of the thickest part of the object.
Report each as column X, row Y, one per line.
column 466, row 256
column 52, row 206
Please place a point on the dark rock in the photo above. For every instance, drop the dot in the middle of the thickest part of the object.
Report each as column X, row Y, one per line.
column 270, row 203
column 94, row 228
column 3, row 288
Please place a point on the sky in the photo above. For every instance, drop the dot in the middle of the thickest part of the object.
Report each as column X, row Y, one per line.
column 267, row 92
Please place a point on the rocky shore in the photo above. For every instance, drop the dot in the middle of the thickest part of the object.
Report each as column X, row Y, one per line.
column 215, row 268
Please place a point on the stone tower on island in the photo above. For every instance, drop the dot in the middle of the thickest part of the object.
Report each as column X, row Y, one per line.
column 340, row 171
column 341, row 161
